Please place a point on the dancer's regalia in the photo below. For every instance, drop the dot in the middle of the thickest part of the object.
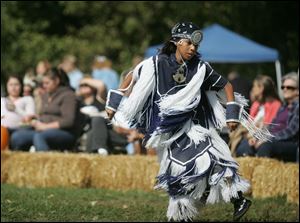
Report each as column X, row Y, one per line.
column 180, row 114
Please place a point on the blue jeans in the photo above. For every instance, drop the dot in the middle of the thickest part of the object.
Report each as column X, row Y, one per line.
column 22, row 139
column 244, row 149
column 282, row 150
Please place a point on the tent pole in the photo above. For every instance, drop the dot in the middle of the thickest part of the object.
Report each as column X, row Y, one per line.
column 278, row 77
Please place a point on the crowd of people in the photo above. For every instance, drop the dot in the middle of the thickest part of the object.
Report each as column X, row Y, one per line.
column 279, row 115
column 61, row 108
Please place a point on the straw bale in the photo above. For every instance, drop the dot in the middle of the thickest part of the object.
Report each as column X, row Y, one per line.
column 124, row 172
column 291, row 179
column 246, row 168
column 48, row 170
column 67, row 170
column 5, row 155
column 269, row 179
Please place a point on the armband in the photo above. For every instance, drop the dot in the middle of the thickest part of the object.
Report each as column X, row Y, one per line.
column 233, row 112
column 114, row 98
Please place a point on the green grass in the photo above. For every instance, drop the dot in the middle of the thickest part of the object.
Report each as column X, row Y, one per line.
column 74, row 205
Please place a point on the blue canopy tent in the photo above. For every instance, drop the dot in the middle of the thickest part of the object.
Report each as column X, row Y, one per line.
column 221, row 45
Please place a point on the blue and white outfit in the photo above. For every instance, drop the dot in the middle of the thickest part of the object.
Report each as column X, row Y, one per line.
column 181, row 121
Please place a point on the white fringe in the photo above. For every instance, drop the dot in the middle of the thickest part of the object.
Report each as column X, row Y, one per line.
column 199, row 189
column 185, row 99
column 164, row 162
column 226, row 188
column 261, row 135
column 197, row 133
column 214, row 194
column 220, row 149
column 184, row 129
column 219, row 110
column 157, row 140
column 141, row 90
column 241, row 99
column 216, row 99
column 182, row 208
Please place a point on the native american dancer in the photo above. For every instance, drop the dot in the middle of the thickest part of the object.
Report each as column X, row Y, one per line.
column 180, row 103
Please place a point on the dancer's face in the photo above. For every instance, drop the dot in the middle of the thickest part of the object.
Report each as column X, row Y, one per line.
column 186, row 48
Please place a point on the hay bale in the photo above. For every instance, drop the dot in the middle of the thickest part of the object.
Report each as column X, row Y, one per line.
column 246, row 168
column 268, row 179
column 124, row 172
column 5, row 155
column 67, row 170
column 48, row 170
column 291, row 180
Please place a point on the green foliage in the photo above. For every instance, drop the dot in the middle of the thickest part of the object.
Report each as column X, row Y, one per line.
column 35, row 30
column 71, row 205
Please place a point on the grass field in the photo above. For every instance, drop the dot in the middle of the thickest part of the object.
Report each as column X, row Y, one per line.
column 74, row 205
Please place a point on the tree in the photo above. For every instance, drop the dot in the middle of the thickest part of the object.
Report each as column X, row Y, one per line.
column 35, row 30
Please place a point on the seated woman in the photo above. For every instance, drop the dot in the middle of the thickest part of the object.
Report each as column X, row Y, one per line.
column 263, row 110
column 53, row 129
column 285, row 126
column 15, row 109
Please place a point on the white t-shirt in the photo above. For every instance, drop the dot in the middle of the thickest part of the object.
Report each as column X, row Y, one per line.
column 260, row 115
column 12, row 119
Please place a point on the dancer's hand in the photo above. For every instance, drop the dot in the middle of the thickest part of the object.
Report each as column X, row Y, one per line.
column 232, row 126
column 110, row 113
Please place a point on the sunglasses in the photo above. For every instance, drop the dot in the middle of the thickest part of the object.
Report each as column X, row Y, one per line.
column 288, row 87
column 84, row 85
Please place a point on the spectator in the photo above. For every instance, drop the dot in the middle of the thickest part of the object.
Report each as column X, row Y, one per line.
column 42, row 67
column 28, row 88
column 29, row 83
column 97, row 85
column 102, row 136
column 240, row 84
column 102, row 70
column 54, row 128
column 285, row 144
column 16, row 110
column 263, row 110
column 70, row 66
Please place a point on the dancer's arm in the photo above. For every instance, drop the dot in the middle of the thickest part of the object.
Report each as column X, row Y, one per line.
column 125, row 89
column 231, row 124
